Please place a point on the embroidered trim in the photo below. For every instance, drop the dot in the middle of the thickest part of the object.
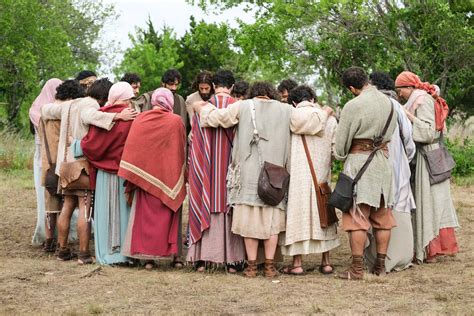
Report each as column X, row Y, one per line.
column 172, row 193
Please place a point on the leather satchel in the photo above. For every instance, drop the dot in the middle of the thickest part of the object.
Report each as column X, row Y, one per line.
column 327, row 212
column 273, row 183
column 439, row 161
column 343, row 195
column 73, row 175
column 51, row 180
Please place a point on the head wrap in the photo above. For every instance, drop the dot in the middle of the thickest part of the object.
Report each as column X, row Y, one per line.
column 409, row 79
column 120, row 91
column 47, row 95
column 163, row 98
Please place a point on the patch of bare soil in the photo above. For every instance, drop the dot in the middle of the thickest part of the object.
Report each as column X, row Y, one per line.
column 32, row 282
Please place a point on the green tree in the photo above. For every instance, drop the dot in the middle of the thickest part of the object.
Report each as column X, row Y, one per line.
column 41, row 40
column 151, row 54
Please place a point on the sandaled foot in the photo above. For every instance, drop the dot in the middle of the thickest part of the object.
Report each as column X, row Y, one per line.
column 269, row 269
column 431, row 260
column 251, row 269
column 234, row 267
column 350, row 275
column 356, row 270
column 85, row 258
column 326, row 269
column 49, row 245
column 177, row 264
column 200, row 266
column 293, row 270
column 379, row 267
column 64, row 254
column 149, row 265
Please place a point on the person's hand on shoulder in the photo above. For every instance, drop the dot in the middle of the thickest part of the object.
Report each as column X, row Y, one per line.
column 127, row 114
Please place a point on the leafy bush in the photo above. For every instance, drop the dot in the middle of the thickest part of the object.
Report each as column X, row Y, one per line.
column 463, row 154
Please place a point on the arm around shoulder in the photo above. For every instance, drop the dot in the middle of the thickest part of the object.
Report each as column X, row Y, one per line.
column 210, row 116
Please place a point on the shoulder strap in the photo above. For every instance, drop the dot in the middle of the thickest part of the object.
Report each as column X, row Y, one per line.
column 46, row 145
column 68, row 121
column 378, row 139
column 256, row 137
column 313, row 172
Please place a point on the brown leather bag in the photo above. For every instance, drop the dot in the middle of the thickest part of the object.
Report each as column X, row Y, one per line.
column 327, row 213
column 273, row 183
column 73, row 175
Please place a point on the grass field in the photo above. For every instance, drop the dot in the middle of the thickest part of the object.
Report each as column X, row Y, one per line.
column 32, row 282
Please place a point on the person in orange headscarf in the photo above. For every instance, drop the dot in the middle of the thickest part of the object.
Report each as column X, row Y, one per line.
column 435, row 216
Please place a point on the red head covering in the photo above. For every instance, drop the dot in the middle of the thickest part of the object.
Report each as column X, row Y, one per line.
column 409, row 79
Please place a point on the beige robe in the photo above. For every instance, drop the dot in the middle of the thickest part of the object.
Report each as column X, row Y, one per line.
column 194, row 97
column 304, row 234
column 434, row 205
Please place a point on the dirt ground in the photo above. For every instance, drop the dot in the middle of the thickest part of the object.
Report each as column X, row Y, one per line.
column 32, row 282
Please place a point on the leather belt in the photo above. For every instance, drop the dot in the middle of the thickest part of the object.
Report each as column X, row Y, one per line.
column 366, row 146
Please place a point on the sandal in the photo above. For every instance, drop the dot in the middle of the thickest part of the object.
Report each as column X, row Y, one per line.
column 269, row 269
column 251, row 270
column 200, row 266
column 323, row 271
column 177, row 264
column 290, row 270
column 149, row 265
column 49, row 245
column 234, row 267
column 355, row 271
column 85, row 258
column 64, row 254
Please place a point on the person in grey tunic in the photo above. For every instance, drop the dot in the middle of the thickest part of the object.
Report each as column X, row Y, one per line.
column 362, row 119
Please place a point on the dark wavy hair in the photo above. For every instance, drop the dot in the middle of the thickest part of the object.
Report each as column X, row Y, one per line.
column 69, row 89
column 354, row 77
column 202, row 77
column 287, row 84
column 241, row 89
column 131, row 78
column 99, row 90
column 382, row 80
column 170, row 76
column 85, row 74
column 223, row 78
column 300, row 94
column 263, row 88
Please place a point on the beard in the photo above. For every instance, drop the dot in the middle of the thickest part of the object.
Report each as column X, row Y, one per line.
column 205, row 96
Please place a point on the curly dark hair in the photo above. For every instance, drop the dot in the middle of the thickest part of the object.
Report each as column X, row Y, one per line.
column 202, row 77
column 263, row 88
column 382, row 80
column 300, row 94
column 99, row 90
column 131, row 78
column 223, row 78
column 170, row 76
column 287, row 84
column 69, row 89
column 241, row 88
column 354, row 77
column 85, row 74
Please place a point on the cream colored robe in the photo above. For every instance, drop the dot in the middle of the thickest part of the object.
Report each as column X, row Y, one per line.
column 434, row 205
column 304, row 234
column 83, row 113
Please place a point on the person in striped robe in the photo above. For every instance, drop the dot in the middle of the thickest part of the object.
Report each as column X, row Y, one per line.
column 210, row 217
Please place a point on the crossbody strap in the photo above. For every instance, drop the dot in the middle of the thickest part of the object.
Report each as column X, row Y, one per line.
column 46, row 145
column 68, row 121
column 256, row 137
column 377, row 141
column 311, row 168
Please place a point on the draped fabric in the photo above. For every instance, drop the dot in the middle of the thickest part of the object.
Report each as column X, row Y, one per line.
column 210, row 154
column 104, row 148
column 47, row 95
column 154, row 156
column 409, row 79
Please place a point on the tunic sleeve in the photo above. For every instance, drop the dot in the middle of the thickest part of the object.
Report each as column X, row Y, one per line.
column 91, row 116
column 333, row 139
column 406, row 131
column 424, row 122
column 51, row 111
column 345, row 132
column 211, row 116
column 307, row 120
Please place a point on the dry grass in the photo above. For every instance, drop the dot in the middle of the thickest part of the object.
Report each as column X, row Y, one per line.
column 31, row 282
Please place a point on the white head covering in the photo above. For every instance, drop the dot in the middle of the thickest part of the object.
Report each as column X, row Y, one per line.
column 120, row 91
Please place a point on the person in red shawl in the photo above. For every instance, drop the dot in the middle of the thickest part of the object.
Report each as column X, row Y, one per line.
column 210, row 216
column 435, row 216
column 153, row 163
column 104, row 150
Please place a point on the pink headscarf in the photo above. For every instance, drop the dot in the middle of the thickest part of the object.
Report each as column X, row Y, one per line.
column 163, row 98
column 120, row 91
column 47, row 95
